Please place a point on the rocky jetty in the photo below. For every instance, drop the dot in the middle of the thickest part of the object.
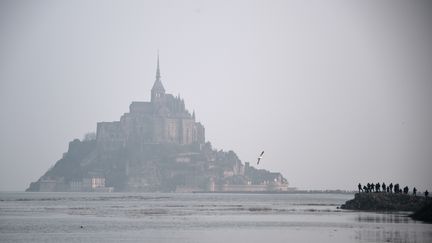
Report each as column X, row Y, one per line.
column 385, row 202
column 424, row 213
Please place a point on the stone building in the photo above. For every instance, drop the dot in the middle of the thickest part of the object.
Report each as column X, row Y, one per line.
column 163, row 120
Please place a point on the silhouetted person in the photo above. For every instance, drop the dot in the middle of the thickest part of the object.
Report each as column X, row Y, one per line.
column 377, row 187
column 368, row 187
column 391, row 187
column 372, row 187
column 365, row 189
column 414, row 191
column 426, row 193
column 360, row 187
column 384, row 187
column 405, row 190
column 396, row 188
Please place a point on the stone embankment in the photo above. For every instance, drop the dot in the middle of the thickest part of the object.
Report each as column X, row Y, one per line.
column 421, row 205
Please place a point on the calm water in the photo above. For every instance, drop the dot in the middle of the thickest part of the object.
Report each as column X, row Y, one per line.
column 58, row 217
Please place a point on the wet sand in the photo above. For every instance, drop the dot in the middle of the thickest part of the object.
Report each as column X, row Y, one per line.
column 58, row 217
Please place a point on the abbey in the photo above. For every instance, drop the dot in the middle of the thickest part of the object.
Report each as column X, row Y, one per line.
column 162, row 120
column 157, row 146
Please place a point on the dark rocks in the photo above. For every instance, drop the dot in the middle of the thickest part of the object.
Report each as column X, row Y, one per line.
column 424, row 213
column 385, row 202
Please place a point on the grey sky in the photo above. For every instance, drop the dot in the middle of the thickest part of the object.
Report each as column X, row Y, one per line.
column 335, row 92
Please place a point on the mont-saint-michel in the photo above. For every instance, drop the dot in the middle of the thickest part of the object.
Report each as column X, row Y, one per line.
column 158, row 146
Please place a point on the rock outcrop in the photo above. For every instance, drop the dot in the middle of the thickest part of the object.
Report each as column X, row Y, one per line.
column 385, row 202
column 424, row 213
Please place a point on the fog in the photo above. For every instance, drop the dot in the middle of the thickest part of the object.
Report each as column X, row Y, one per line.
column 335, row 92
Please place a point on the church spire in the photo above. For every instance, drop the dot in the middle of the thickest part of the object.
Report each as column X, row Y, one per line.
column 158, row 91
column 158, row 70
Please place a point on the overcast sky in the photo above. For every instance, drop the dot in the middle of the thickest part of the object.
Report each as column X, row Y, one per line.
column 335, row 92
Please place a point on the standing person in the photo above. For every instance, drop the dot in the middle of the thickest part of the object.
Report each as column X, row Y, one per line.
column 396, row 188
column 391, row 187
column 360, row 187
column 426, row 193
column 373, row 187
column 414, row 191
column 377, row 187
column 384, row 187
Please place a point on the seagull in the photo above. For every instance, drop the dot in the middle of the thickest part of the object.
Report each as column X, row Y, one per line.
column 260, row 157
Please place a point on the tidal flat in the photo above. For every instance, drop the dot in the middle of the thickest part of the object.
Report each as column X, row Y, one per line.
column 195, row 217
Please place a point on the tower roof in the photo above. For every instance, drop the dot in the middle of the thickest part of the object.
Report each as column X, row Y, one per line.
column 158, row 86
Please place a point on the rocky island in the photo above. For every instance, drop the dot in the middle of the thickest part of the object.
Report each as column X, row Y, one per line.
column 156, row 146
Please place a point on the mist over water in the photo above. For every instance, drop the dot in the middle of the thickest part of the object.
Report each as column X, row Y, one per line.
column 170, row 217
column 335, row 92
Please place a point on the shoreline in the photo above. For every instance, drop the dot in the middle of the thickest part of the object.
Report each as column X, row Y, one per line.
column 281, row 192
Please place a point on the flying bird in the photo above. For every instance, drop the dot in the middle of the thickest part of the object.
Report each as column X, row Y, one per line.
column 260, row 157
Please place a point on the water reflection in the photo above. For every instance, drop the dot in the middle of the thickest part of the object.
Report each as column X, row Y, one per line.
column 384, row 235
column 390, row 227
column 388, row 218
